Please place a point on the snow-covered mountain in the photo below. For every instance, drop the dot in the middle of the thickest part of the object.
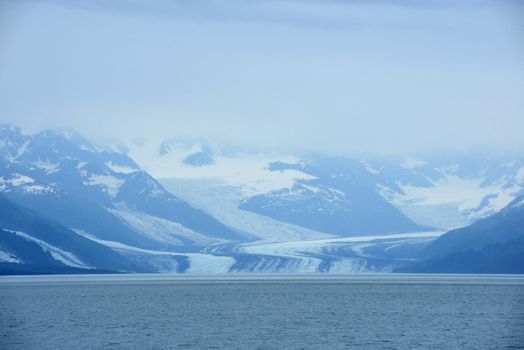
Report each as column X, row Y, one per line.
column 100, row 194
column 450, row 191
column 192, row 206
column 31, row 243
column 340, row 199
column 338, row 195
column 491, row 245
column 299, row 204
column 323, row 194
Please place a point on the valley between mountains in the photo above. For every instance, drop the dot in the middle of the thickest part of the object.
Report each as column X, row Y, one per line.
column 69, row 205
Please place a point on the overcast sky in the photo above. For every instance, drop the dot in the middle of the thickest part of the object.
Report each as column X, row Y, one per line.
column 336, row 76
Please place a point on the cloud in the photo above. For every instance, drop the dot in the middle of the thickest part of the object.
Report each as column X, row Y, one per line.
column 331, row 14
column 335, row 75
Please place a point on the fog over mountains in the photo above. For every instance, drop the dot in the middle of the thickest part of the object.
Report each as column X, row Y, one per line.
column 263, row 136
column 180, row 205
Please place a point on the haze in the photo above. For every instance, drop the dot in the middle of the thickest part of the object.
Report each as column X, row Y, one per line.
column 330, row 75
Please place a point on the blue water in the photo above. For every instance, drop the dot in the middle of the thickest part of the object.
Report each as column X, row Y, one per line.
column 265, row 312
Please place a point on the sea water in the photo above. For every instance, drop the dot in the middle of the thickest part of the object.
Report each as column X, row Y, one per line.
column 261, row 312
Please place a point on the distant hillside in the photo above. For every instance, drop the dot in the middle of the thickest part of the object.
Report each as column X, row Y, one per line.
column 100, row 192
column 341, row 199
column 31, row 242
column 491, row 245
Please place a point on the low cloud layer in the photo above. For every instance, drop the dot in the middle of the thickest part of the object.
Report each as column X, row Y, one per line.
column 334, row 76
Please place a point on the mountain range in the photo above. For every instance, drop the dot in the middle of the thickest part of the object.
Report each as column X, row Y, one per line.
column 178, row 205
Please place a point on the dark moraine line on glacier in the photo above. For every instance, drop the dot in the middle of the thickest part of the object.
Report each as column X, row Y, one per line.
column 264, row 263
column 363, row 254
column 247, row 263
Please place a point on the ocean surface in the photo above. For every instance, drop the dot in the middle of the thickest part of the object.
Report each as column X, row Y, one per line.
column 261, row 312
